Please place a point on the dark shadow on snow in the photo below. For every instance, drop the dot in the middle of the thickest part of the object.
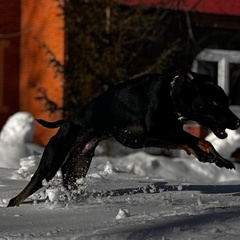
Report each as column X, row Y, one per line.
column 165, row 226
column 159, row 187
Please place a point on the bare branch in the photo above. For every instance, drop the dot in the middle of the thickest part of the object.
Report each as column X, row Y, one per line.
column 49, row 105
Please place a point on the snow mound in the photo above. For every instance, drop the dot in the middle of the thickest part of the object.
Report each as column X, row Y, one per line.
column 123, row 213
column 16, row 140
column 178, row 169
column 19, row 128
column 53, row 194
column 27, row 168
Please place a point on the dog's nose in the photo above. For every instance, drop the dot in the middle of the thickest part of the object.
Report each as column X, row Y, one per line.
column 238, row 123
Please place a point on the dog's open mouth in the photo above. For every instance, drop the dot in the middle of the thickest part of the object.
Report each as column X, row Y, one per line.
column 220, row 133
column 218, row 130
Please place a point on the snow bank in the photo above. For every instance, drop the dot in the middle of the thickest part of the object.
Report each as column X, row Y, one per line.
column 28, row 166
column 19, row 128
column 177, row 169
column 16, row 140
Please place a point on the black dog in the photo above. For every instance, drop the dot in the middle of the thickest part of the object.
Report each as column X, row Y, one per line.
column 148, row 111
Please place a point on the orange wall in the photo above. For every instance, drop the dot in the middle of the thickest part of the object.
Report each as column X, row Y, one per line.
column 39, row 22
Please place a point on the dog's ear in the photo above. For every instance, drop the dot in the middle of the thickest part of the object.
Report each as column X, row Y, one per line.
column 187, row 74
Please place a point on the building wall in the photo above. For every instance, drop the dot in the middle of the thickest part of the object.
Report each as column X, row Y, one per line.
column 40, row 23
column 9, row 58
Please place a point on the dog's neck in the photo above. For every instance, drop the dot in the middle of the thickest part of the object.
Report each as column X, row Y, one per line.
column 174, row 94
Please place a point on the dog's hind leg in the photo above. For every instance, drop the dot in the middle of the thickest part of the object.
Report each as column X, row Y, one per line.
column 78, row 162
column 49, row 165
column 53, row 157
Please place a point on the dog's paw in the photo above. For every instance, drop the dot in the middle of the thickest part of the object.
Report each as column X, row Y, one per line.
column 13, row 202
column 207, row 157
column 219, row 161
column 225, row 163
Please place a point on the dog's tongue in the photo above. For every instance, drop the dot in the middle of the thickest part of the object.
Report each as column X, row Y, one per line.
column 221, row 134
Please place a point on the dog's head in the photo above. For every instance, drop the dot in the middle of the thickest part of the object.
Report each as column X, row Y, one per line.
column 208, row 104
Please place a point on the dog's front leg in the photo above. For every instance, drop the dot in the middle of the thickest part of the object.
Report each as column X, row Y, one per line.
column 219, row 160
column 203, row 151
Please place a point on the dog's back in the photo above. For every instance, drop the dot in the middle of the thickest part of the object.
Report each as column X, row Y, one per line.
column 128, row 103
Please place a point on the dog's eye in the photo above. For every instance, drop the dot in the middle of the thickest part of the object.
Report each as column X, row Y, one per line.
column 215, row 103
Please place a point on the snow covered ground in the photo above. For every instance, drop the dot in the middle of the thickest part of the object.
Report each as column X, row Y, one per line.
column 133, row 197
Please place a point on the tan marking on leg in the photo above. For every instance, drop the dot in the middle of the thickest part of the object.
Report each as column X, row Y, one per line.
column 208, row 148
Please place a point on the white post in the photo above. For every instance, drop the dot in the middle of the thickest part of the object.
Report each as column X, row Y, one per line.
column 223, row 74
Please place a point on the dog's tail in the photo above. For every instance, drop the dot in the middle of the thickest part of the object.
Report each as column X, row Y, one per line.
column 50, row 124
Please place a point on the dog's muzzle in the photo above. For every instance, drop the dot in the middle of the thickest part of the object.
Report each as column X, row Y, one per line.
column 221, row 133
column 234, row 124
column 237, row 123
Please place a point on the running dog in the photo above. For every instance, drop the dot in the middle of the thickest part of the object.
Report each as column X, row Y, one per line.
column 148, row 111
